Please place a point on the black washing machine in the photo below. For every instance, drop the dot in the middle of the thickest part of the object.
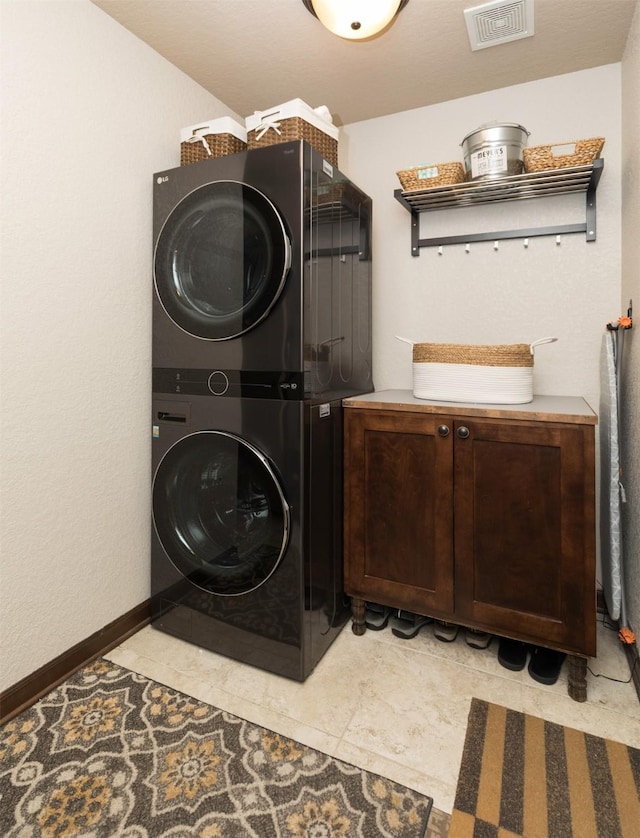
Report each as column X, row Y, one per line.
column 247, row 524
column 262, row 264
column 261, row 325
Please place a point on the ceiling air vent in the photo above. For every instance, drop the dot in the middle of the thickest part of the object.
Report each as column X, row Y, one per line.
column 498, row 22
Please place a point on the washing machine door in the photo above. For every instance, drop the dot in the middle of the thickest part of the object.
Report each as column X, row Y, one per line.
column 220, row 512
column 221, row 260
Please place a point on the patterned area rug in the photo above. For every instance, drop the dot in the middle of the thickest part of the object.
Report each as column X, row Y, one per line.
column 111, row 753
column 523, row 776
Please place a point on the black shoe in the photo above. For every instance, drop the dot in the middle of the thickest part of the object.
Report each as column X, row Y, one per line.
column 447, row 632
column 512, row 654
column 407, row 625
column 477, row 639
column 545, row 665
column 376, row 616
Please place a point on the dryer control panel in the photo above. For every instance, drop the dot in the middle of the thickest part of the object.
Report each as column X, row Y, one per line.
column 250, row 384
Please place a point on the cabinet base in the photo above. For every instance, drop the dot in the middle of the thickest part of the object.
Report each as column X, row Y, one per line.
column 358, row 607
column 577, row 684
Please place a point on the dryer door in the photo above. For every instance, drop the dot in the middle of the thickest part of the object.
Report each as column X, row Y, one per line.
column 220, row 512
column 221, row 260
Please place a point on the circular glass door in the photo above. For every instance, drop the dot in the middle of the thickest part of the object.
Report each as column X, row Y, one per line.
column 220, row 512
column 221, row 260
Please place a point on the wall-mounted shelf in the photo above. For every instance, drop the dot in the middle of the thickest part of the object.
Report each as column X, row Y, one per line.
column 514, row 188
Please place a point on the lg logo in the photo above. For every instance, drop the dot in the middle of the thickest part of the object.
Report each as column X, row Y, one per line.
column 161, row 179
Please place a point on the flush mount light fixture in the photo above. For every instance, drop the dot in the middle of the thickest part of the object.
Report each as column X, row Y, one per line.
column 355, row 19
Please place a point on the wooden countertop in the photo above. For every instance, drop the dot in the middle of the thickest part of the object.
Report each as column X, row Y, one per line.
column 573, row 409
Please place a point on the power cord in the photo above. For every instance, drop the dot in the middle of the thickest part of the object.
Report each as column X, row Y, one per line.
column 611, row 626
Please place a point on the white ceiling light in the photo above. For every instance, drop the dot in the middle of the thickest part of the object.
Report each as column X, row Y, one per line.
column 355, row 19
column 498, row 22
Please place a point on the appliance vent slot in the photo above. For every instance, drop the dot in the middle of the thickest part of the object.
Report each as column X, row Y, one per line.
column 498, row 22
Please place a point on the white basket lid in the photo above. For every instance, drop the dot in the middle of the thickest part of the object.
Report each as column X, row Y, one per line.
column 220, row 125
column 294, row 107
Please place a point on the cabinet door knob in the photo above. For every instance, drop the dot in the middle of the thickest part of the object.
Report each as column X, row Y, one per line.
column 463, row 432
column 443, row 430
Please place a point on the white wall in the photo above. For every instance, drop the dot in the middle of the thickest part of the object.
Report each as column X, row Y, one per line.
column 89, row 112
column 513, row 294
column 631, row 291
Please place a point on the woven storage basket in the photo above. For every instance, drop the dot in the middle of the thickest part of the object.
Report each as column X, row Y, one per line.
column 505, row 355
column 544, row 157
column 219, row 145
column 453, row 372
column 294, row 120
column 426, row 177
column 216, row 138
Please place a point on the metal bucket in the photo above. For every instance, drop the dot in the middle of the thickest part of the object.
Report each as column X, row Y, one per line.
column 494, row 150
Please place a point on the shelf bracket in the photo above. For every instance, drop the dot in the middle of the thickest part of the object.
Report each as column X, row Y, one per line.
column 415, row 233
column 591, row 208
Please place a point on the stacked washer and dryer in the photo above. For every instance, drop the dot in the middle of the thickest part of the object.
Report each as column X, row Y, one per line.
column 261, row 326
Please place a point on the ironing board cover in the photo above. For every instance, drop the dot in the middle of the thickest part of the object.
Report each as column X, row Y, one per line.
column 610, row 542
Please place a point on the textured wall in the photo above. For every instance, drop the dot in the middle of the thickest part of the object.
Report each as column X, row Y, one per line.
column 89, row 112
column 631, row 290
column 513, row 294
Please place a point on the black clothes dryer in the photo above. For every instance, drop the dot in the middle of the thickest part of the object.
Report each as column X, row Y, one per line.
column 247, row 525
column 262, row 264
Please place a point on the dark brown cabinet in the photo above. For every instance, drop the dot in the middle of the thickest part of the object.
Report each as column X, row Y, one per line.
column 482, row 516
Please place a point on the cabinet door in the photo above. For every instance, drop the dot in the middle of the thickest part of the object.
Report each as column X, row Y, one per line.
column 398, row 510
column 524, row 531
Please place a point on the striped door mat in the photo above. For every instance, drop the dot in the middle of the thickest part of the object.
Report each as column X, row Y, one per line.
column 523, row 776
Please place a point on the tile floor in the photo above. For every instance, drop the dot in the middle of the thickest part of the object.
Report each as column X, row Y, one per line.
column 395, row 707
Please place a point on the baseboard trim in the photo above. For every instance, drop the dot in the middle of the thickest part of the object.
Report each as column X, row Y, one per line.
column 26, row 692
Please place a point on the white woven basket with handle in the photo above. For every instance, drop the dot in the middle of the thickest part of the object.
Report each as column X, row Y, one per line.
column 477, row 374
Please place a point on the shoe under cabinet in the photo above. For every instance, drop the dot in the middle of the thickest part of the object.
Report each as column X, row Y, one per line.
column 479, row 515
